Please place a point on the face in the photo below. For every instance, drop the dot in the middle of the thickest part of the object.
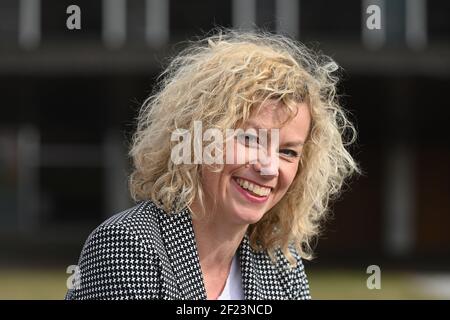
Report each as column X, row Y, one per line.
column 243, row 193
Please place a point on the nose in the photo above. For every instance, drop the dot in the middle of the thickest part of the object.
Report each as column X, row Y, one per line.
column 267, row 164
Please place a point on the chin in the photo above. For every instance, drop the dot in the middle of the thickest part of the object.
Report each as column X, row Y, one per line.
column 247, row 215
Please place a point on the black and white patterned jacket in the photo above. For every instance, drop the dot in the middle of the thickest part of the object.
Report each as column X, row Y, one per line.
column 144, row 253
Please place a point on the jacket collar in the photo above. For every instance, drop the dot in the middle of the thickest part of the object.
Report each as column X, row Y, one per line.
column 179, row 241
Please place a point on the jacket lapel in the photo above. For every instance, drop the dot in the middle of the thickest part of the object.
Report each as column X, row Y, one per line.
column 179, row 241
column 284, row 275
column 250, row 278
column 262, row 279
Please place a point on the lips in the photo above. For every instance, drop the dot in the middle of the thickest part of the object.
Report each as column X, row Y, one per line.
column 243, row 188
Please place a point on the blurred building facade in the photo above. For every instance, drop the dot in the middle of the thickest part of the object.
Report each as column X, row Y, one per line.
column 70, row 97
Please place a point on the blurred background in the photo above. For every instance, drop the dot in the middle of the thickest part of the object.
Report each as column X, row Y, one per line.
column 69, row 99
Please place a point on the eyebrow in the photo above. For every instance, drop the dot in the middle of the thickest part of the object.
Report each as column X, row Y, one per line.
column 253, row 125
column 250, row 124
column 293, row 143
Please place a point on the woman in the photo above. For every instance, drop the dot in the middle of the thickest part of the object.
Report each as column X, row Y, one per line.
column 215, row 222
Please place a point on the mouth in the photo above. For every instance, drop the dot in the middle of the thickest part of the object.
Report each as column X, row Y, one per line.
column 252, row 191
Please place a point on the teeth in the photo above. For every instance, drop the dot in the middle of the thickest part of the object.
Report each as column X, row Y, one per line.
column 260, row 191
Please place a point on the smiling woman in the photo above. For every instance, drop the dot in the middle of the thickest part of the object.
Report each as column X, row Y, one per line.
column 237, row 228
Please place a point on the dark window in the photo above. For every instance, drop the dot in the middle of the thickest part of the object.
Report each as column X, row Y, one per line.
column 193, row 18
column 325, row 19
column 54, row 19
column 438, row 20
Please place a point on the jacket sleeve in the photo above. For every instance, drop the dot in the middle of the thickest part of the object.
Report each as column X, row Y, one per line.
column 115, row 264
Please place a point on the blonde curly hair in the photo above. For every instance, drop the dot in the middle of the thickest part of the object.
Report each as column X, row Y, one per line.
column 220, row 80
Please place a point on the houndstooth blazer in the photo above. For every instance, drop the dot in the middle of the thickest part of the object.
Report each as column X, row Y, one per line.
column 145, row 253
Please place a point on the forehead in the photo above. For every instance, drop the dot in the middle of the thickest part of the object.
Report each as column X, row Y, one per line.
column 272, row 115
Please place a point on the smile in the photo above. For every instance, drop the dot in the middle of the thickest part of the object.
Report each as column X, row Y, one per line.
column 252, row 191
column 253, row 188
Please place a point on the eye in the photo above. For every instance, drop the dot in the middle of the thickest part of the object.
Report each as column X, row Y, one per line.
column 249, row 140
column 289, row 152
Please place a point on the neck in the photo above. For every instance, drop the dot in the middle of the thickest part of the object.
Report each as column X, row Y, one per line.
column 217, row 239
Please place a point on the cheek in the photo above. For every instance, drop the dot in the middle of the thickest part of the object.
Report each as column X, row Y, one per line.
column 210, row 179
column 214, row 181
column 227, row 172
column 287, row 175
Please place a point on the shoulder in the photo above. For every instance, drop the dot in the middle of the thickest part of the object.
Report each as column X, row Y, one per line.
column 119, row 258
column 139, row 219
column 136, row 227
